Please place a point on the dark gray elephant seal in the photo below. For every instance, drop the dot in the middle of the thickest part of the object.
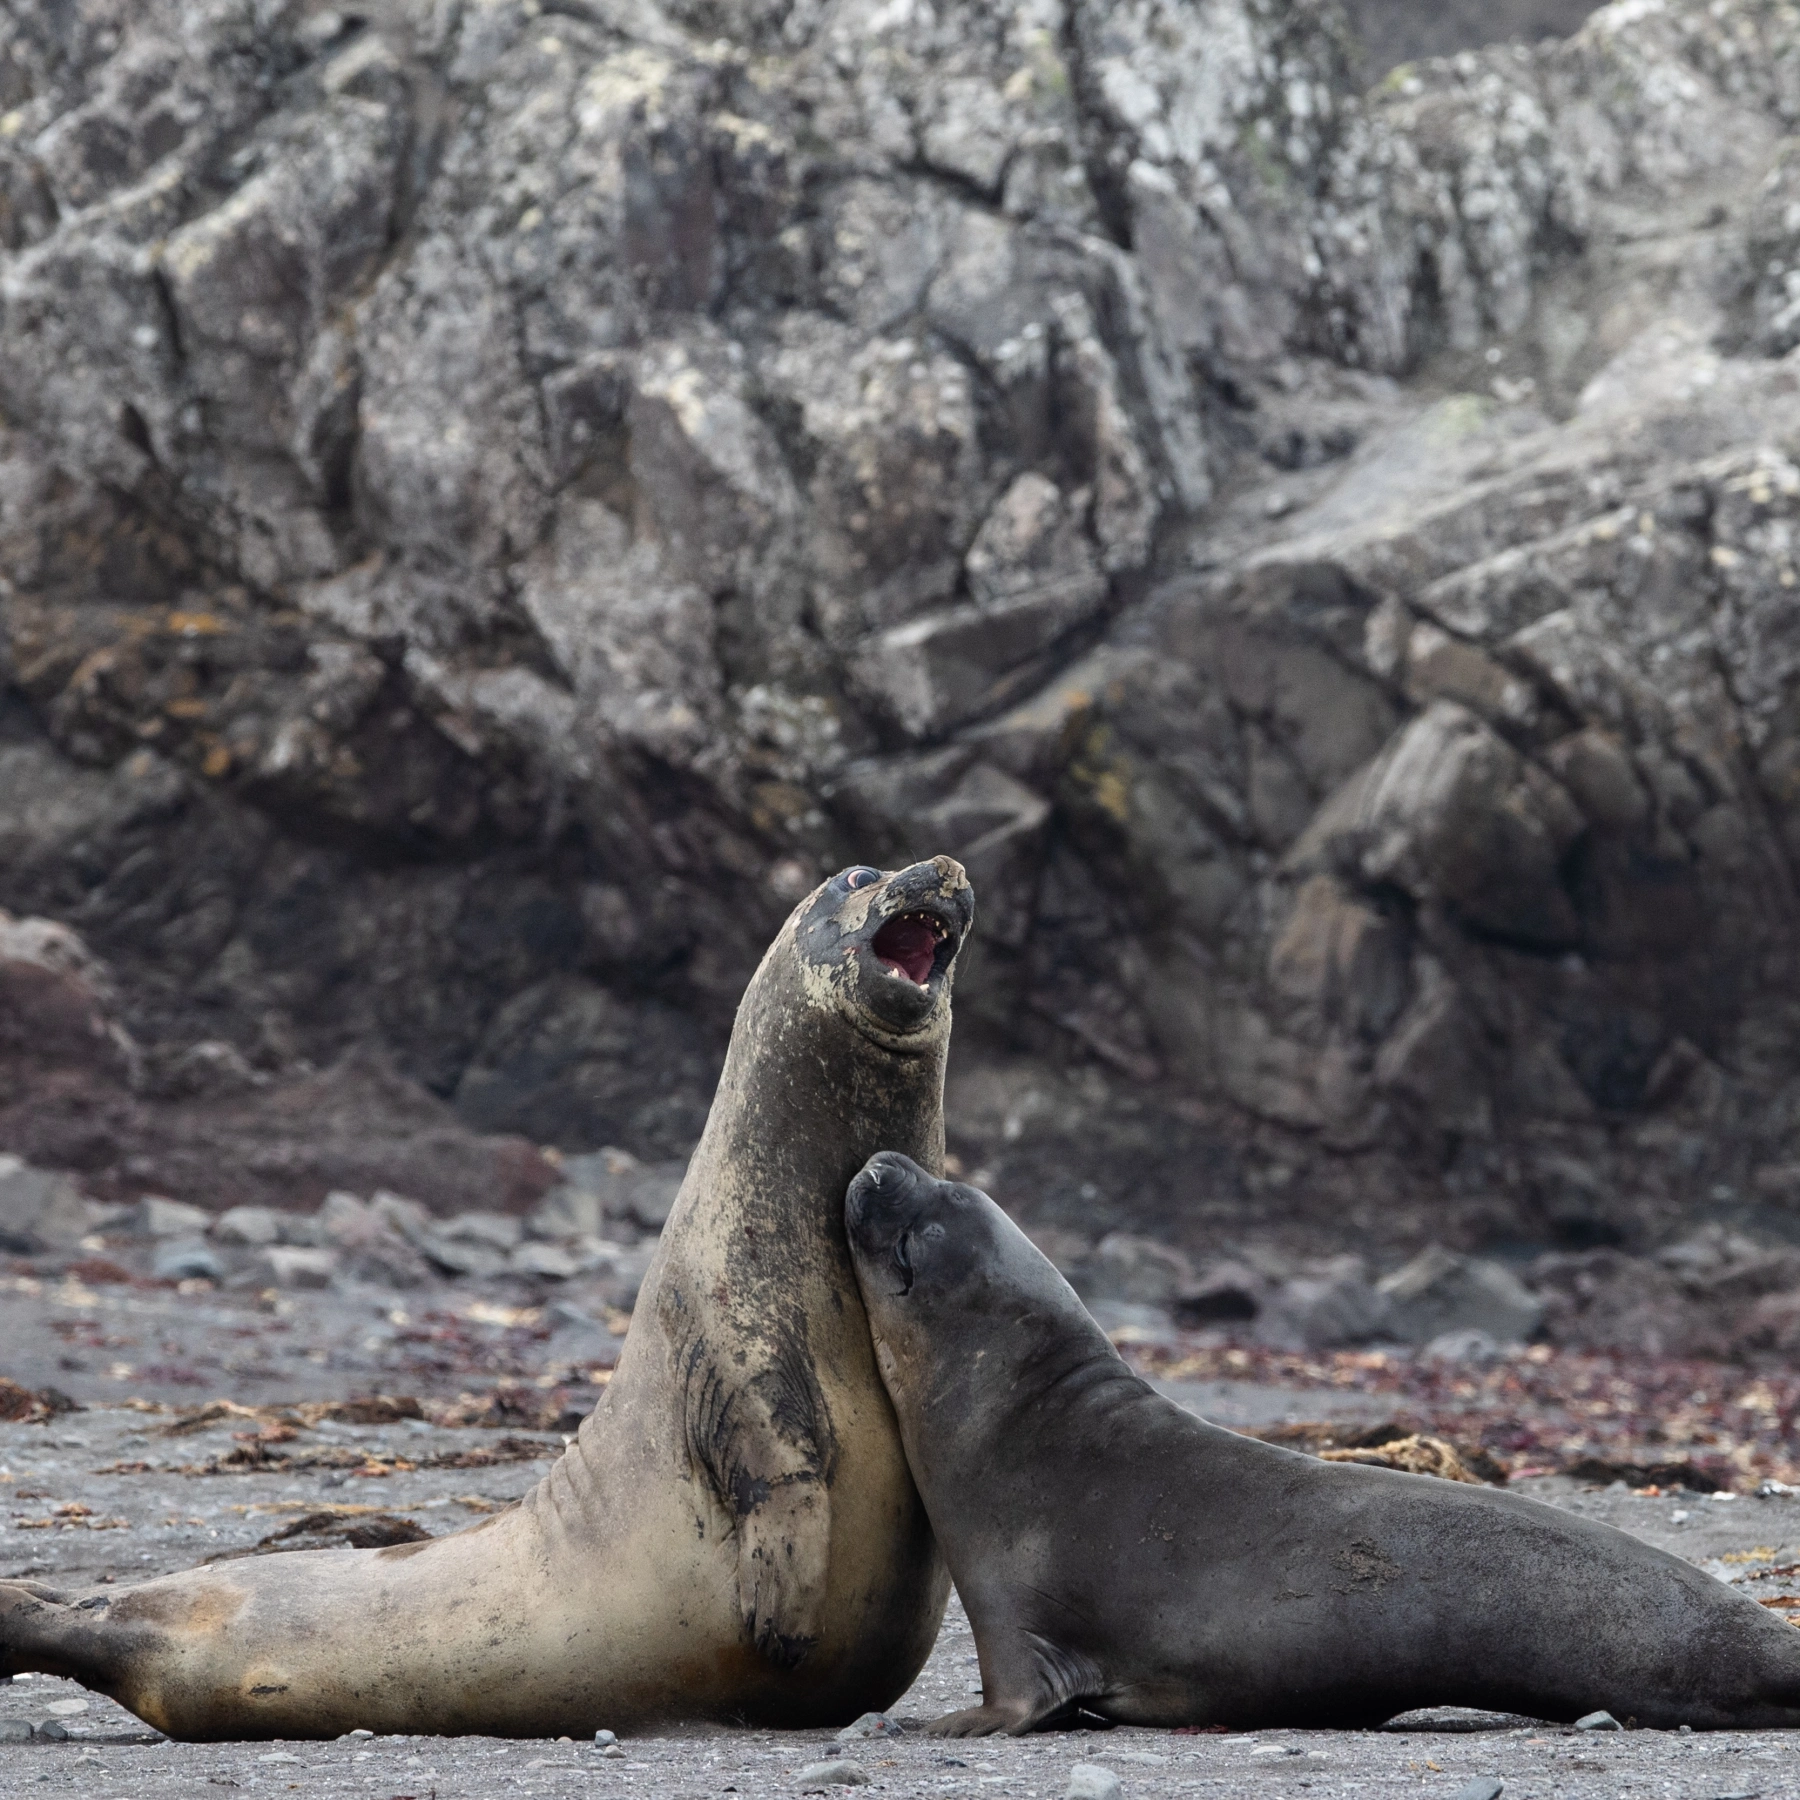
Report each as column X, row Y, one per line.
column 1118, row 1555
column 733, row 1535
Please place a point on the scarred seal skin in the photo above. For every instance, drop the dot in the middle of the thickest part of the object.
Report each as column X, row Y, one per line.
column 733, row 1535
column 1119, row 1556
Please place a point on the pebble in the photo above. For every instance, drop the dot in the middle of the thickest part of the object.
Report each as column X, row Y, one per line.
column 815, row 1778
column 603, row 1738
column 1481, row 1787
column 280, row 1756
column 15, row 1731
column 870, row 1725
column 1092, row 1781
column 360, row 1735
column 66, row 1709
column 1598, row 1721
column 54, row 1730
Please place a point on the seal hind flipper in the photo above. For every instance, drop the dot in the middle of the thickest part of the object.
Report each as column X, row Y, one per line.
column 59, row 1631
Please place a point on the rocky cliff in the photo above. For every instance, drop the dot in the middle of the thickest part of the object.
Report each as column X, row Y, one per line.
column 496, row 497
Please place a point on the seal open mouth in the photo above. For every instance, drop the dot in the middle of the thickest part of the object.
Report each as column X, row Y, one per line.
column 909, row 944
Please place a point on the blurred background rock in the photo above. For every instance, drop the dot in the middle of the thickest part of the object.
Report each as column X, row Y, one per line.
column 495, row 501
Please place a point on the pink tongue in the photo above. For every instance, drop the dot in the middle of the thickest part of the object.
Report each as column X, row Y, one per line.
column 908, row 947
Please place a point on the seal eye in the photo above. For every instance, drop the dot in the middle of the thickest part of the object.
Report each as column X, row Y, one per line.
column 857, row 878
column 903, row 1259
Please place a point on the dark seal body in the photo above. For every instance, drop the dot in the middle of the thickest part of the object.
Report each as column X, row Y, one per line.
column 733, row 1535
column 1120, row 1556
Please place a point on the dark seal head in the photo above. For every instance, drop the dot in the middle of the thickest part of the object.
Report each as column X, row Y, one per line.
column 1121, row 1557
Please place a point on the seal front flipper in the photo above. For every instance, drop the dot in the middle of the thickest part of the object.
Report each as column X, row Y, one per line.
column 1029, row 1682
column 763, row 1444
column 783, row 1551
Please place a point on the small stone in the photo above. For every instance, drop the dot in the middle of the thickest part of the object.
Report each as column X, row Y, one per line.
column 1481, row 1787
column 38, row 1210
column 280, row 1756
column 815, row 1778
column 53, row 1730
column 294, row 1266
column 157, row 1217
column 360, row 1735
column 462, row 1256
column 1092, row 1781
column 612, row 1753
column 186, row 1260
column 870, row 1725
column 1598, row 1721
column 66, row 1709
column 548, row 1260
column 15, row 1731
column 603, row 1738
column 256, row 1226
column 406, row 1218
column 499, row 1231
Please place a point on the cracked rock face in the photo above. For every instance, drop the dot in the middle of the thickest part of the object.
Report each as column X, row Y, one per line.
column 498, row 499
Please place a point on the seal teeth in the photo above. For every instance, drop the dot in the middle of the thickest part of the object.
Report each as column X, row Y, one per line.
column 939, row 930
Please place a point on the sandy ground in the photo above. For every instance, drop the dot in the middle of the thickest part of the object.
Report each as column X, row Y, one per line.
column 147, row 1512
column 161, row 1520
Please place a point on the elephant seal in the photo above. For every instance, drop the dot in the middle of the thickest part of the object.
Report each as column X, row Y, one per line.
column 1120, row 1557
column 733, row 1535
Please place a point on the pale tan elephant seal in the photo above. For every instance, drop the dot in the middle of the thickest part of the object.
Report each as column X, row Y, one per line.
column 734, row 1534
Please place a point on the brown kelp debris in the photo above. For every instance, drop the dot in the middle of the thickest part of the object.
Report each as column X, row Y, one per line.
column 1390, row 1445
column 507, row 1408
column 1542, row 1410
column 32, row 1406
column 259, row 1457
column 372, row 1409
column 72, row 1515
column 334, row 1528
column 1414, row 1455
column 1599, row 1471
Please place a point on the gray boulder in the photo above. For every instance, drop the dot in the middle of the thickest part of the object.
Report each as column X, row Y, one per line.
column 1332, row 1306
column 297, row 1266
column 1310, row 551
column 1440, row 1292
column 184, row 1259
column 38, row 1210
column 256, row 1226
column 157, row 1217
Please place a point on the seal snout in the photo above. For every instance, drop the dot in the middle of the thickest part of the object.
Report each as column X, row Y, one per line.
column 924, row 914
column 878, row 1196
